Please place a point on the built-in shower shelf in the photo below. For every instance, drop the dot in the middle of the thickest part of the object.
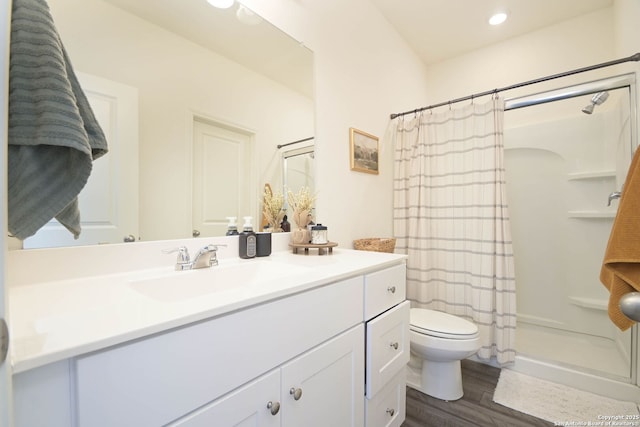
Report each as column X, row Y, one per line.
column 574, row 176
column 593, row 303
column 592, row 214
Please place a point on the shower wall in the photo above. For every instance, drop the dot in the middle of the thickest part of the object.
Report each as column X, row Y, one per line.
column 560, row 170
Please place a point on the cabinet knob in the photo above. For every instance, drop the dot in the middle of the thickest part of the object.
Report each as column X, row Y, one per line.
column 391, row 289
column 390, row 411
column 274, row 407
column 296, row 393
column 394, row 345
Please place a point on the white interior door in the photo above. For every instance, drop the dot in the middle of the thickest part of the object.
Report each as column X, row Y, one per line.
column 109, row 202
column 222, row 171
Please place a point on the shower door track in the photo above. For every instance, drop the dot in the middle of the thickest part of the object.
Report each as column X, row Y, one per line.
column 609, row 83
column 627, row 80
column 635, row 58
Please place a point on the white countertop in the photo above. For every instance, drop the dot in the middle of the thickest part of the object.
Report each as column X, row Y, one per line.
column 58, row 319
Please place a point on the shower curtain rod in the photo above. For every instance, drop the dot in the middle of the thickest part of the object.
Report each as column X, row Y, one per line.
column 295, row 142
column 635, row 58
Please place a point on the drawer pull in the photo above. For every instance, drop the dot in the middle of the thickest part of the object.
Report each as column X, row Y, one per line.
column 391, row 289
column 296, row 393
column 394, row 345
column 274, row 407
column 390, row 411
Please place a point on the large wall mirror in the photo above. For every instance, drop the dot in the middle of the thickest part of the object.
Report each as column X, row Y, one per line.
column 196, row 101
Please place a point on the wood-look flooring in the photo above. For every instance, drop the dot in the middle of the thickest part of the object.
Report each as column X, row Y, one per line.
column 475, row 409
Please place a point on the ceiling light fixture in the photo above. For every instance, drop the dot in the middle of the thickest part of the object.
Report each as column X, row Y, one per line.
column 221, row 4
column 498, row 18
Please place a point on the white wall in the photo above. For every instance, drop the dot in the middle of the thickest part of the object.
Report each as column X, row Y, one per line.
column 364, row 72
column 576, row 43
column 175, row 78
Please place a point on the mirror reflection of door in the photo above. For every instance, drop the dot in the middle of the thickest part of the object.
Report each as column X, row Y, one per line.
column 109, row 201
column 222, row 167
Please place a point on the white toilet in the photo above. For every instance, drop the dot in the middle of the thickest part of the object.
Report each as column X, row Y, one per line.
column 439, row 341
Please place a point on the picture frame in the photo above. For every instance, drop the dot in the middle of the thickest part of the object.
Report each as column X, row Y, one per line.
column 364, row 151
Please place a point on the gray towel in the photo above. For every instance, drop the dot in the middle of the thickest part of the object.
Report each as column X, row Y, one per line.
column 53, row 134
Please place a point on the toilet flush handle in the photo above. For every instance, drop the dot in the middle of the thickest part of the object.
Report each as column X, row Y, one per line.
column 394, row 345
column 391, row 289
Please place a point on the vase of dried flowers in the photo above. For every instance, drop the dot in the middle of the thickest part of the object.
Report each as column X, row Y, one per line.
column 301, row 204
column 272, row 209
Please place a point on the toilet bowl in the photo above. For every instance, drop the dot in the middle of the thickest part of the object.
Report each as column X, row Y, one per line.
column 439, row 341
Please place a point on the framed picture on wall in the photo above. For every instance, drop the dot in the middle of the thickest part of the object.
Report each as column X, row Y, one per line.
column 364, row 151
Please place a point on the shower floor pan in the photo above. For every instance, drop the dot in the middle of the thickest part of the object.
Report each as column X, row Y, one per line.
column 597, row 355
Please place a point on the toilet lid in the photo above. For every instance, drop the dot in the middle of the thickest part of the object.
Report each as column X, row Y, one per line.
column 440, row 324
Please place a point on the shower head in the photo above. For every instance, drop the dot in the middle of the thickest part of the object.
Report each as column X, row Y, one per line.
column 588, row 109
column 599, row 98
column 596, row 99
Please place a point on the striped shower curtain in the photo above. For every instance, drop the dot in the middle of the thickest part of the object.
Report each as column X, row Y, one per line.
column 451, row 218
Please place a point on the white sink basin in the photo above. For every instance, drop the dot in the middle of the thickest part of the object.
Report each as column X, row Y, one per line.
column 234, row 275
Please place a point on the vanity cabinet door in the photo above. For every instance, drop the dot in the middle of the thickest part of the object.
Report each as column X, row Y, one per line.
column 325, row 386
column 256, row 404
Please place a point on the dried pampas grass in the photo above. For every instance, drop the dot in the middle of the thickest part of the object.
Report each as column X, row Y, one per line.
column 272, row 209
column 302, row 201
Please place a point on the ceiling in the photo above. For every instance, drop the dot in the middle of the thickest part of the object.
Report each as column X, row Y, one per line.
column 440, row 29
column 435, row 29
column 259, row 46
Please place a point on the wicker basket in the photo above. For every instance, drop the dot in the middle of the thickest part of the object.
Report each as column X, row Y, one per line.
column 375, row 244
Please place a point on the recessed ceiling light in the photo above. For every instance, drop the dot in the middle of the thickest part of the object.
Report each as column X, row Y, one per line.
column 498, row 18
column 221, row 4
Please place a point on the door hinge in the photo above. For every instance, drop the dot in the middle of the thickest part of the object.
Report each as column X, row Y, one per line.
column 4, row 340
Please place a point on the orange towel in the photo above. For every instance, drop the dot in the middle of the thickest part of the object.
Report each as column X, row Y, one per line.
column 621, row 266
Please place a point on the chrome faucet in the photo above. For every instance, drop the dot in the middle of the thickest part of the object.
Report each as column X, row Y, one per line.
column 614, row 195
column 205, row 258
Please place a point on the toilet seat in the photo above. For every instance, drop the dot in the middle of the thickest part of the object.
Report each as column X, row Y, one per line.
column 442, row 325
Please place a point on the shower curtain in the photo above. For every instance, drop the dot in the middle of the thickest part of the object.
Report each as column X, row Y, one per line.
column 451, row 219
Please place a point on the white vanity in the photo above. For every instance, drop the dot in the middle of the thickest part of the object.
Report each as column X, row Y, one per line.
column 294, row 340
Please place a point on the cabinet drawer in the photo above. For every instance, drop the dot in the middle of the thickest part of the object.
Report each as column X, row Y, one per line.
column 384, row 289
column 388, row 407
column 387, row 347
column 159, row 379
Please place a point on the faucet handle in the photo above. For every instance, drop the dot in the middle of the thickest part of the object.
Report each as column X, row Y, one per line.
column 183, row 258
column 212, row 259
column 212, row 248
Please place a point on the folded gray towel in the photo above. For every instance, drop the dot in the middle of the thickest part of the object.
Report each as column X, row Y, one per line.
column 53, row 134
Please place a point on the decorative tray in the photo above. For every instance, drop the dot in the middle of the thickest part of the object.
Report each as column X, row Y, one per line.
column 322, row 249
